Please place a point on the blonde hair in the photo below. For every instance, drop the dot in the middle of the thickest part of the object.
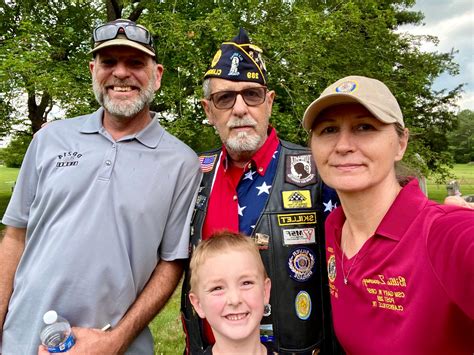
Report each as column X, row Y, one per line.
column 219, row 243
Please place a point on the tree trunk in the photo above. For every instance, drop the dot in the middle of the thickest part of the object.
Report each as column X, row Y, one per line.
column 38, row 113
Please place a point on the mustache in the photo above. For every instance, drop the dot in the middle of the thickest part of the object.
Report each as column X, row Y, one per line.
column 241, row 122
column 118, row 82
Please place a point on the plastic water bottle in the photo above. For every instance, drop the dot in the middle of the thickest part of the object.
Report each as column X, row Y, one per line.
column 56, row 335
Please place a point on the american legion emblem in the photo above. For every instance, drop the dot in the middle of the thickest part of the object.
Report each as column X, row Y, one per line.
column 300, row 170
column 301, row 264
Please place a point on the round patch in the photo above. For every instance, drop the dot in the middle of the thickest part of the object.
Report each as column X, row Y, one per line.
column 332, row 268
column 303, row 305
column 216, row 58
column 301, row 264
column 347, row 86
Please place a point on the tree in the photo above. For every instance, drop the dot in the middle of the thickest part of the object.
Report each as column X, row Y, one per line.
column 307, row 45
column 43, row 53
column 461, row 140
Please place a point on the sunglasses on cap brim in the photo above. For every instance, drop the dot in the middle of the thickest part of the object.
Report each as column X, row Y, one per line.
column 133, row 32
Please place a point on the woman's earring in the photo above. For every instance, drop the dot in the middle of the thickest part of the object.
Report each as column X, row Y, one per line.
column 267, row 309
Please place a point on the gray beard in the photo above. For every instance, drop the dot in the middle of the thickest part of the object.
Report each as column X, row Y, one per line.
column 123, row 109
column 243, row 142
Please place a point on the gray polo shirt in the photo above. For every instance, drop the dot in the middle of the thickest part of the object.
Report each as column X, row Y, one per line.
column 99, row 214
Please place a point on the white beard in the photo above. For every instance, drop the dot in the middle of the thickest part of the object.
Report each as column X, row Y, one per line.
column 243, row 142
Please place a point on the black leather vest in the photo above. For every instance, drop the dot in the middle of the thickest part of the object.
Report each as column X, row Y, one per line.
column 290, row 236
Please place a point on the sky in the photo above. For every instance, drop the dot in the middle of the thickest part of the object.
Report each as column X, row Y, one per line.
column 452, row 21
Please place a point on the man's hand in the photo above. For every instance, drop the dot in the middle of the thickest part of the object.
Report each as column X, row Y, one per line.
column 458, row 201
column 90, row 341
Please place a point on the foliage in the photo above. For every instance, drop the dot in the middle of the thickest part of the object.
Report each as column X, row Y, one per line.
column 461, row 140
column 12, row 155
column 44, row 55
column 307, row 45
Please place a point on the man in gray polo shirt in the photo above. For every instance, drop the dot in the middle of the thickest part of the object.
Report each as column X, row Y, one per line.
column 99, row 219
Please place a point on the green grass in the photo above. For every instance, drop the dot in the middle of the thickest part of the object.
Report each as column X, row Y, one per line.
column 166, row 327
column 7, row 180
column 463, row 173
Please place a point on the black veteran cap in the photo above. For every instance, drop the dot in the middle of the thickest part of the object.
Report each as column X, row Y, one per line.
column 238, row 60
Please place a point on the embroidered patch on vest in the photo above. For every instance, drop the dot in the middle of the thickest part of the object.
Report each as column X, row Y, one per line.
column 200, row 201
column 300, row 170
column 303, row 305
column 291, row 219
column 296, row 199
column 266, row 333
column 299, row 236
column 301, row 264
column 261, row 240
column 207, row 162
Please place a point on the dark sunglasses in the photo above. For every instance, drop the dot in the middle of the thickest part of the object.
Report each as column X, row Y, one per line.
column 224, row 100
column 133, row 32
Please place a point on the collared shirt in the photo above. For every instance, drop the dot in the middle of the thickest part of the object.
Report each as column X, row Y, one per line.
column 239, row 194
column 100, row 214
column 411, row 285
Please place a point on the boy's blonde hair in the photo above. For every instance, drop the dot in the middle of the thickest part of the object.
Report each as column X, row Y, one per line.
column 218, row 243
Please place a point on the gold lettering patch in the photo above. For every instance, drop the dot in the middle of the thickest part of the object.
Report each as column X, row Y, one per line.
column 296, row 218
column 296, row 199
column 214, row 72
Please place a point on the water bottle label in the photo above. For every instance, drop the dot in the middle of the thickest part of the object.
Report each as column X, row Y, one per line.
column 64, row 346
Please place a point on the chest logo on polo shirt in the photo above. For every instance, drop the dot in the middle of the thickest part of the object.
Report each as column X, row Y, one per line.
column 388, row 293
column 296, row 199
column 332, row 268
column 300, row 170
column 68, row 159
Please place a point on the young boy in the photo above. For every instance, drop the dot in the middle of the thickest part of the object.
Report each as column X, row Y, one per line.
column 229, row 287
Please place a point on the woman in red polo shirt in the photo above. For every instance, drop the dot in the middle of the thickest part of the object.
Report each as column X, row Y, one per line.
column 400, row 267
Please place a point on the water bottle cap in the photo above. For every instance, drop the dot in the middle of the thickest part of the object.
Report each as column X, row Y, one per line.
column 50, row 317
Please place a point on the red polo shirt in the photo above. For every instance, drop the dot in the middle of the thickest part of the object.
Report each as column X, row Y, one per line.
column 411, row 288
column 222, row 211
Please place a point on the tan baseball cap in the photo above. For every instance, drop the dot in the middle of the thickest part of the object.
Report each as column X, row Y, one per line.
column 374, row 95
column 123, row 32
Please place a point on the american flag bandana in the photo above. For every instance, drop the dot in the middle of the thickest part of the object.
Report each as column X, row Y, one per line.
column 253, row 192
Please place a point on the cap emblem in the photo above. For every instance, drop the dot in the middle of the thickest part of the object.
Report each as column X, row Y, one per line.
column 238, row 60
column 235, row 58
column 216, row 58
column 347, row 87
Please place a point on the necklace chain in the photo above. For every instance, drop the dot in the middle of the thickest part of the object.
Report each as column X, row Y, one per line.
column 346, row 277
